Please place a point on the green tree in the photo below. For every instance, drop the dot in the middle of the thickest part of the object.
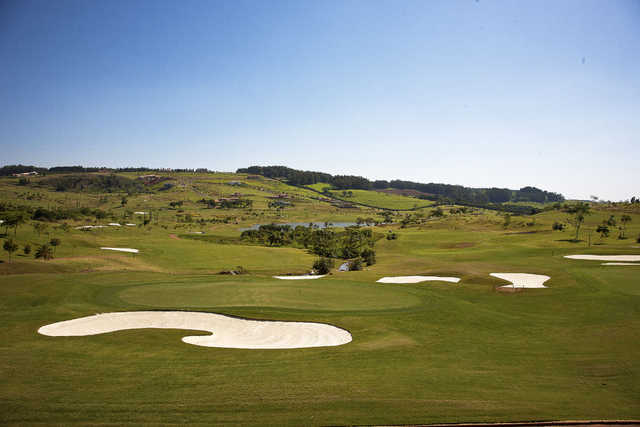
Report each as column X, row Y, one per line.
column 603, row 230
column 40, row 227
column 10, row 246
column 323, row 265
column 27, row 249
column 578, row 213
column 44, row 251
column 624, row 219
column 123, row 201
column 369, row 256
column 55, row 242
column 507, row 220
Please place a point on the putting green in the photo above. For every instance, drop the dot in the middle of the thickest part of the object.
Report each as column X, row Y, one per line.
column 332, row 295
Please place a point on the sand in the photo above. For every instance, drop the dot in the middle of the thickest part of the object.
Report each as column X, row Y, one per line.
column 307, row 276
column 114, row 224
column 620, row 263
column 417, row 279
column 87, row 227
column 130, row 225
column 522, row 280
column 140, row 213
column 605, row 257
column 227, row 332
column 135, row 251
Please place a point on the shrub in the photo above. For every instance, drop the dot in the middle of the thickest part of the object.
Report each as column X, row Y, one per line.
column 323, row 265
column 27, row 249
column 391, row 235
column 558, row 226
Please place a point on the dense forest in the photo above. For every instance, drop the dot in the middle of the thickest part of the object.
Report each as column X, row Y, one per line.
column 432, row 191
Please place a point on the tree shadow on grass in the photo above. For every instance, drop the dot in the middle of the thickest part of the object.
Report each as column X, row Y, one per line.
column 570, row 240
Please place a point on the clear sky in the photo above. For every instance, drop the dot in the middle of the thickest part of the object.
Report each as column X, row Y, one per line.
column 479, row 93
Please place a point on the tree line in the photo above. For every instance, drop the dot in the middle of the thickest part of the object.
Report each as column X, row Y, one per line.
column 431, row 191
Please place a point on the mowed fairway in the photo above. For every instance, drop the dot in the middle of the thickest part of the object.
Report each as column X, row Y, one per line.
column 421, row 353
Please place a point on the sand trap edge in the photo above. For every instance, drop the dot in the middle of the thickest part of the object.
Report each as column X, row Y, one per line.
column 417, row 279
column 522, row 280
column 226, row 331
column 133, row 251
column 309, row 277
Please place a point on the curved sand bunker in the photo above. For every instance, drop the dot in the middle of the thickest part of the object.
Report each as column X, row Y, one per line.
column 522, row 280
column 309, row 276
column 135, row 251
column 605, row 257
column 227, row 332
column 417, row 279
column 620, row 263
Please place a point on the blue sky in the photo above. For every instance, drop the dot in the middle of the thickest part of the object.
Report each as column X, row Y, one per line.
column 479, row 93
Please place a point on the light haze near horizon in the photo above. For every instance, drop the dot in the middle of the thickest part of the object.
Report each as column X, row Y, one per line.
column 478, row 93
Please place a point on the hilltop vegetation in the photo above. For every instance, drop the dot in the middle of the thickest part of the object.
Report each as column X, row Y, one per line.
column 431, row 191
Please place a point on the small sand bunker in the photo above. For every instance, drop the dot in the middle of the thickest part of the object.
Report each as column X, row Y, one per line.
column 140, row 213
column 114, row 224
column 130, row 225
column 308, row 276
column 522, row 280
column 227, row 332
column 135, row 251
column 620, row 263
column 627, row 258
column 418, row 279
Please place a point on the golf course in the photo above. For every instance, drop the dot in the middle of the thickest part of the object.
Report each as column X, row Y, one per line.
column 525, row 334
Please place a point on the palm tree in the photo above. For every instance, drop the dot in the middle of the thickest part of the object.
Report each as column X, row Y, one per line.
column 45, row 252
column 10, row 246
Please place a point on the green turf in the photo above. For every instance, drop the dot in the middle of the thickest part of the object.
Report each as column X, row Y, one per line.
column 421, row 353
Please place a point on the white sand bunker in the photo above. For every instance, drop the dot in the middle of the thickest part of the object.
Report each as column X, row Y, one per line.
column 522, row 280
column 417, row 279
column 135, row 251
column 628, row 258
column 308, row 276
column 227, row 332
column 620, row 263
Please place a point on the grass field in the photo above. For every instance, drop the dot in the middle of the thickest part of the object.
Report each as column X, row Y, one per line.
column 421, row 353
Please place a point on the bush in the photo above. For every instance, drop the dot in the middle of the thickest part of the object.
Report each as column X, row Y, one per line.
column 323, row 265
column 391, row 235
column 557, row 226
column 27, row 249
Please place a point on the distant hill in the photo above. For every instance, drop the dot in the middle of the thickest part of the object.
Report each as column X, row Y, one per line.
column 431, row 191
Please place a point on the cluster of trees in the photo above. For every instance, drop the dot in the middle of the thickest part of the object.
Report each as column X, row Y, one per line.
column 11, row 169
column 227, row 203
column 604, row 230
column 432, row 191
column 353, row 242
column 93, row 183
column 46, row 251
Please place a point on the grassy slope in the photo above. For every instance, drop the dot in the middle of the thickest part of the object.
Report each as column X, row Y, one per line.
column 421, row 353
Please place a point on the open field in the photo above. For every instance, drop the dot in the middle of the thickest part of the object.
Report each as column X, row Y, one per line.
column 426, row 352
